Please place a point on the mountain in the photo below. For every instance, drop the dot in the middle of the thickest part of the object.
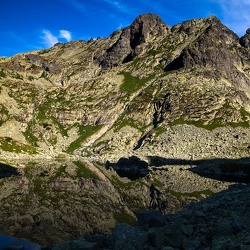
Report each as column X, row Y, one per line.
column 126, row 89
column 150, row 112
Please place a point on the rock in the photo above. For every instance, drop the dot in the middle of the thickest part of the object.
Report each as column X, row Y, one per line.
column 149, row 219
column 127, row 46
column 245, row 40
column 128, row 237
column 224, row 227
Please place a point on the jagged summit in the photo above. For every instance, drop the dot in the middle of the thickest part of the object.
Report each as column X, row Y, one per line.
column 127, row 47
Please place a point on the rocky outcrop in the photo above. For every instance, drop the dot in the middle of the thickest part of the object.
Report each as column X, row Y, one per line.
column 210, row 49
column 128, row 45
column 245, row 40
column 198, row 227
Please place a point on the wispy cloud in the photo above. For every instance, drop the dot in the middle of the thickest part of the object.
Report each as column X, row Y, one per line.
column 235, row 14
column 121, row 26
column 49, row 39
column 66, row 35
column 77, row 5
column 118, row 5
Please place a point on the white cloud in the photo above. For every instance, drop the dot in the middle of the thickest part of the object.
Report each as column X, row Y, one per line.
column 49, row 39
column 121, row 26
column 77, row 5
column 235, row 14
column 66, row 35
column 119, row 6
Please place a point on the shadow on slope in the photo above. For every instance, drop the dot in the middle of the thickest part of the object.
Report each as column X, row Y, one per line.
column 7, row 171
column 223, row 169
column 133, row 167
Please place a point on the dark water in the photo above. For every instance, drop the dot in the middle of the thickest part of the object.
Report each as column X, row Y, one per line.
column 6, row 241
column 52, row 202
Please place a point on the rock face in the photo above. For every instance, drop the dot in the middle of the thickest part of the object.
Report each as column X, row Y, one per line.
column 166, row 108
column 245, row 40
column 131, row 40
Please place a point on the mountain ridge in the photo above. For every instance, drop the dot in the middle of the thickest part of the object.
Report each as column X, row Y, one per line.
column 129, row 62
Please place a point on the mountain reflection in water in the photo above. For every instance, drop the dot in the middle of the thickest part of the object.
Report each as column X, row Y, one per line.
column 51, row 202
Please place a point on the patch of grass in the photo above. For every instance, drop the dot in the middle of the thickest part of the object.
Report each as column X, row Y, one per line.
column 29, row 135
column 159, row 130
column 131, row 83
column 157, row 183
column 2, row 74
column 215, row 124
column 10, row 145
column 58, row 173
column 5, row 114
column 31, row 78
column 152, row 52
column 18, row 76
column 84, row 132
column 84, row 172
column 126, row 122
column 125, row 186
column 60, row 127
column 124, row 218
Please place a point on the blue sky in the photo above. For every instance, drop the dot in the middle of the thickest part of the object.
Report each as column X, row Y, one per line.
column 37, row 24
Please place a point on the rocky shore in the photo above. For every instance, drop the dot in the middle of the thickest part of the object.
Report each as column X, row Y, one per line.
column 221, row 221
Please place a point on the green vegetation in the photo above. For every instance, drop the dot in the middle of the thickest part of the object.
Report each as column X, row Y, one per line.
column 122, row 122
column 159, row 130
column 31, row 78
column 59, row 172
column 84, row 132
column 84, row 172
column 29, row 135
column 131, row 84
column 4, row 114
column 157, row 183
column 211, row 126
column 2, row 74
column 10, row 145
column 124, row 218
column 152, row 52
column 18, row 76
column 124, row 186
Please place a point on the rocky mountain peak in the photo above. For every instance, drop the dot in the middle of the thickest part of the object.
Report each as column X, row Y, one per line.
column 245, row 40
column 211, row 45
column 144, row 28
column 146, row 25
